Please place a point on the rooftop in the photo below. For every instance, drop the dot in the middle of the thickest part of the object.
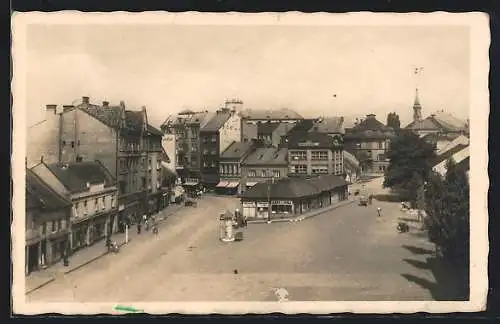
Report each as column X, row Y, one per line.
column 439, row 121
column 267, row 156
column 40, row 195
column 216, row 122
column 267, row 128
column 236, row 150
column 75, row 176
column 270, row 114
column 329, row 125
column 290, row 188
column 449, row 153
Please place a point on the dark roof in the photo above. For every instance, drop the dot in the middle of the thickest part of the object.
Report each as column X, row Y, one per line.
column 267, row 156
column 441, row 121
column 370, row 123
column 110, row 115
column 449, row 153
column 40, row 195
column 75, row 176
column 216, row 122
column 464, row 165
column 134, row 120
column 290, row 188
column 312, row 140
column 329, row 125
column 236, row 150
column 267, row 128
column 154, row 131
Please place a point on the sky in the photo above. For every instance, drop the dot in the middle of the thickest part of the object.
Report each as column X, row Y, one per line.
column 348, row 71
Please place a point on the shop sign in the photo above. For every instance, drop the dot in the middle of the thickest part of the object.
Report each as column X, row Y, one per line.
column 121, row 207
column 248, row 204
column 282, row 202
column 262, row 204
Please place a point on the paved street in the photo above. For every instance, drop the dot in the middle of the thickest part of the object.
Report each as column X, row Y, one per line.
column 346, row 254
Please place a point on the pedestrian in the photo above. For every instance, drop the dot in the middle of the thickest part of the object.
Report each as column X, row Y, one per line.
column 370, row 198
column 379, row 211
column 139, row 228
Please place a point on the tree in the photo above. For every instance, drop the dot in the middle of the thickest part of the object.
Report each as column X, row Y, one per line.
column 410, row 164
column 447, row 206
column 393, row 121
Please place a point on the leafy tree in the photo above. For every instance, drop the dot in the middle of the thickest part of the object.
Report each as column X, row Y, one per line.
column 447, row 207
column 410, row 164
column 393, row 121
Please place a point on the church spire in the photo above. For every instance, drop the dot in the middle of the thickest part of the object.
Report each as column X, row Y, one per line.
column 417, row 108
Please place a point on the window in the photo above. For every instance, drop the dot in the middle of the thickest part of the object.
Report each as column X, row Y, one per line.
column 213, row 152
column 276, row 173
column 381, row 145
column 43, row 228
column 319, row 155
column 320, row 169
column 298, row 155
column 221, row 169
column 381, row 157
column 63, row 143
column 205, row 151
column 103, row 203
column 214, row 138
column 213, row 164
column 299, row 169
column 54, row 226
column 263, row 173
column 113, row 202
column 252, row 173
column 72, row 144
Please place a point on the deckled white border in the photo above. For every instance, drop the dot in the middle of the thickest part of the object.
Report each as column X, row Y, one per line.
column 479, row 103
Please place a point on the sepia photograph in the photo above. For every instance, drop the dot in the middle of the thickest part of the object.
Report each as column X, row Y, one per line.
column 249, row 163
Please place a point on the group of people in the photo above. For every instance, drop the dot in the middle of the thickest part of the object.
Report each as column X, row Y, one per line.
column 149, row 222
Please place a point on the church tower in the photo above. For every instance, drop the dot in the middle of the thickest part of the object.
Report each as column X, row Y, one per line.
column 417, row 108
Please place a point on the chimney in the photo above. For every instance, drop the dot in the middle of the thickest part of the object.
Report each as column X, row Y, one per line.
column 105, row 103
column 51, row 108
column 85, row 100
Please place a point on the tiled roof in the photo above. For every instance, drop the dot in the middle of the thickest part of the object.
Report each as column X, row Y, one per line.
column 370, row 123
column 329, row 125
column 267, row 128
column 440, row 121
column 110, row 116
column 317, row 140
column 424, row 124
column 75, row 176
column 267, row 156
column 270, row 114
column 40, row 195
column 236, row 150
column 216, row 122
column 290, row 188
column 457, row 141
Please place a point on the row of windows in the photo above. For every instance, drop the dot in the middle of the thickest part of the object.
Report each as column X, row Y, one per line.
column 264, row 173
column 93, row 206
column 315, row 169
column 315, row 155
column 207, row 139
column 53, row 226
column 230, row 169
column 381, row 145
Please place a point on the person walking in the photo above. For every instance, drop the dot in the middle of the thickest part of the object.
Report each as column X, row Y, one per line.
column 138, row 227
column 379, row 211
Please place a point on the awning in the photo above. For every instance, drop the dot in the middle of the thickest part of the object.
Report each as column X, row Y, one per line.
column 191, row 183
column 233, row 184
column 251, row 184
column 222, row 184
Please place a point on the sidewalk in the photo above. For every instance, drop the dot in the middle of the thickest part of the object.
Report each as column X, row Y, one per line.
column 38, row 279
column 306, row 215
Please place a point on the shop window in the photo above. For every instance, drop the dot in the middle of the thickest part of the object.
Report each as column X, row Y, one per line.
column 252, row 173
column 319, row 155
column 281, row 209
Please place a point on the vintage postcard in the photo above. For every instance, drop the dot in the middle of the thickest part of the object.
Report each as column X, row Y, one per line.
column 235, row 163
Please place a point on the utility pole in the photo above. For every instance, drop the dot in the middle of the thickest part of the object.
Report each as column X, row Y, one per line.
column 270, row 183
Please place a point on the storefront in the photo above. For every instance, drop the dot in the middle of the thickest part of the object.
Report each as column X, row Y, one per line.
column 227, row 187
column 79, row 235
column 32, row 256
column 130, row 209
column 292, row 196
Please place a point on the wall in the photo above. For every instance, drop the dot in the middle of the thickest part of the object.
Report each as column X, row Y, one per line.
column 283, row 169
column 88, row 137
column 79, row 209
column 42, row 140
column 334, row 161
column 248, row 131
column 229, row 132
column 50, row 179
column 280, row 131
column 168, row 144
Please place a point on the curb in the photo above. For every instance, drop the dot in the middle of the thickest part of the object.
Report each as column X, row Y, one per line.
column 298, row 219
column 39, row 286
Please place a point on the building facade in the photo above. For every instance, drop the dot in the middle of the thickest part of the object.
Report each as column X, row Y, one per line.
column 113, row 135
column 292, row 197
column 264, row 164
column 230, row 167
column 313, row 153
column 369, row 142
column 47, row 224
column 93, row 194
column 216, row 135
column 271, row 133
column 185, row 128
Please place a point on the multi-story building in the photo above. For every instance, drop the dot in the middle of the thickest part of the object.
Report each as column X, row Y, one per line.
column 216, row 135
column 263, row 164
column 271, row 133
column 93, row 194
column 111, row 134
column 230, row 167
column 369, row 142
column 185, row 128
column 47, row 224
column 312, row 154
